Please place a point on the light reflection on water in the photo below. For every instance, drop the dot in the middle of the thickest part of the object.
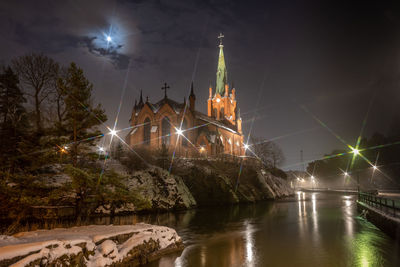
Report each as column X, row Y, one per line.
column 311, row 229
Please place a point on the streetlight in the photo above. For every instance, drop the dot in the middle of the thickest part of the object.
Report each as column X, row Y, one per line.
column 355, row 151
column 113, row 132
column 179, row 131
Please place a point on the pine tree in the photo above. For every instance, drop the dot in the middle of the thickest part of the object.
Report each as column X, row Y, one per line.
column 13, row 120
column 81, row 116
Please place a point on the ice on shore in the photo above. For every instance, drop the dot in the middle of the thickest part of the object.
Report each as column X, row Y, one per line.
column 94, row 245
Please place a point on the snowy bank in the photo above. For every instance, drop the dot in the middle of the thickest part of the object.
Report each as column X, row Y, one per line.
column 94, row 245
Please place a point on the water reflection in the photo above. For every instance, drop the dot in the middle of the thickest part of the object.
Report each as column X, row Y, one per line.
column 348, row 210
column 249, row 244
column 316, row 229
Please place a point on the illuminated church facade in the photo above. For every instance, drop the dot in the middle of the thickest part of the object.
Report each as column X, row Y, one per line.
column 185, row 131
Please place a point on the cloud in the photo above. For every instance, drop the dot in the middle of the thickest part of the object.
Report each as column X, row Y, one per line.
column 108, row 50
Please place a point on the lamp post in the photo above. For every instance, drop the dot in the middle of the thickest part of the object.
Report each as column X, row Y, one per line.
column 356, row 152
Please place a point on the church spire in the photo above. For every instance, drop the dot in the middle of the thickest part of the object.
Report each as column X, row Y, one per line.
column 191, row 89
column 222, row 75
column 141, row 98
column 192, row 98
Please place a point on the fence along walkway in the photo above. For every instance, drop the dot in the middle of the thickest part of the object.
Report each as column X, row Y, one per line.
column 390, row 207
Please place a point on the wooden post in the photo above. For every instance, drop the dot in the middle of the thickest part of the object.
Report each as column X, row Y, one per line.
column 385, row 203
column 394, row 209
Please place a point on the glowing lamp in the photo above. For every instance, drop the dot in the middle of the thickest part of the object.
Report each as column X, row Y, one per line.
column 346, row 174
column 179, row 132
column 218, row 100
column 113, row 132
column 374, row 167
column 66, row 147
column 356, row 151
column 109, row 38
column 101, row 149
column 246, row 146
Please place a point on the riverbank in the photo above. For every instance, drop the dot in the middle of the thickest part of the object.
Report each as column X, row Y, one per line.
column 150, row 189
column 202, row 182
column 100, row 245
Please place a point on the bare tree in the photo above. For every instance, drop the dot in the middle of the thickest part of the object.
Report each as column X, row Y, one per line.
column 276, row 154
column 39, row 74
column 260, row 148
column 267, row 151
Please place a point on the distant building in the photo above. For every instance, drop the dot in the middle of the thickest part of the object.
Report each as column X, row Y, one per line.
column 186, row 131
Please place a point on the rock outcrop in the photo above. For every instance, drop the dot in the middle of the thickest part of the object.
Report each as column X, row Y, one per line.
column 165, row 191
column 94, row 245
column 191, row 183
column 215, row 183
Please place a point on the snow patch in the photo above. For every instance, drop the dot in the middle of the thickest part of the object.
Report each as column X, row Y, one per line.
column 100, row 242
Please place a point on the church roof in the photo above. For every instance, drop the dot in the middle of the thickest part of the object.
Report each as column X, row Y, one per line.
column 217, row 123
column 177, row 107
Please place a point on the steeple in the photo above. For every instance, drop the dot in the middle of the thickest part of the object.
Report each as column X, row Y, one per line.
column 191, row 89
column 222, row 75
column 141, row 98
column 192, row 98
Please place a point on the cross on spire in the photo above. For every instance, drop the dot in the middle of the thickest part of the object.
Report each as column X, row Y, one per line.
column 165, row 87
column 220, row 38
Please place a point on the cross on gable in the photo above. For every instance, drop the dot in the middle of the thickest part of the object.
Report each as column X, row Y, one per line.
column 165, row 87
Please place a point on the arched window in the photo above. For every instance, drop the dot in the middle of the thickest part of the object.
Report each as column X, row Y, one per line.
column 166, row 131
column 146, row 131
column 184, row 137
column 222, row 113
column 215, row 113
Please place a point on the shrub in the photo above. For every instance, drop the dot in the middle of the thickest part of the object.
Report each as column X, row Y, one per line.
column 136, row 160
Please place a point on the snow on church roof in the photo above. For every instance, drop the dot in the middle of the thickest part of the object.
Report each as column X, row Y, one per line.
column 220, row 124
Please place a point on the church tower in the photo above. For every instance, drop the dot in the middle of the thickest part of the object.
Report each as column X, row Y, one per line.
column 223, row 105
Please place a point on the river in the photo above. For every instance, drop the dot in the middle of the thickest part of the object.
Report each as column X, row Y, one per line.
column 311, row 229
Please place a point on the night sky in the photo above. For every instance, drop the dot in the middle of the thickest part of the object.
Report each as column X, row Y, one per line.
column 333, row 58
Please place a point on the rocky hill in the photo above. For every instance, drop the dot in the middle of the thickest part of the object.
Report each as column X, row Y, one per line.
column 203, row 183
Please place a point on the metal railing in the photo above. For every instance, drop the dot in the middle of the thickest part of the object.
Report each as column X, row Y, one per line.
column 387, row 205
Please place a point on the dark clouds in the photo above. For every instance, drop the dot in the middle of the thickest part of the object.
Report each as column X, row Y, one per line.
column 331, row 56
column 107, row 50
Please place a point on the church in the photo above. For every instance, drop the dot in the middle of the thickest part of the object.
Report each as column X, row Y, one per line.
column 184, row 130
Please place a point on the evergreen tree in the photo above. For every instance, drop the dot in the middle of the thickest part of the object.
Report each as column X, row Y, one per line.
column 13, row 120
column 81, row 116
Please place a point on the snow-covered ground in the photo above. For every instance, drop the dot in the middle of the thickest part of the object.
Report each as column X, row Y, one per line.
column 94, row 245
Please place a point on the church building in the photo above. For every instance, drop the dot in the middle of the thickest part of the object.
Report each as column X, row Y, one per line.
column 186, row 131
